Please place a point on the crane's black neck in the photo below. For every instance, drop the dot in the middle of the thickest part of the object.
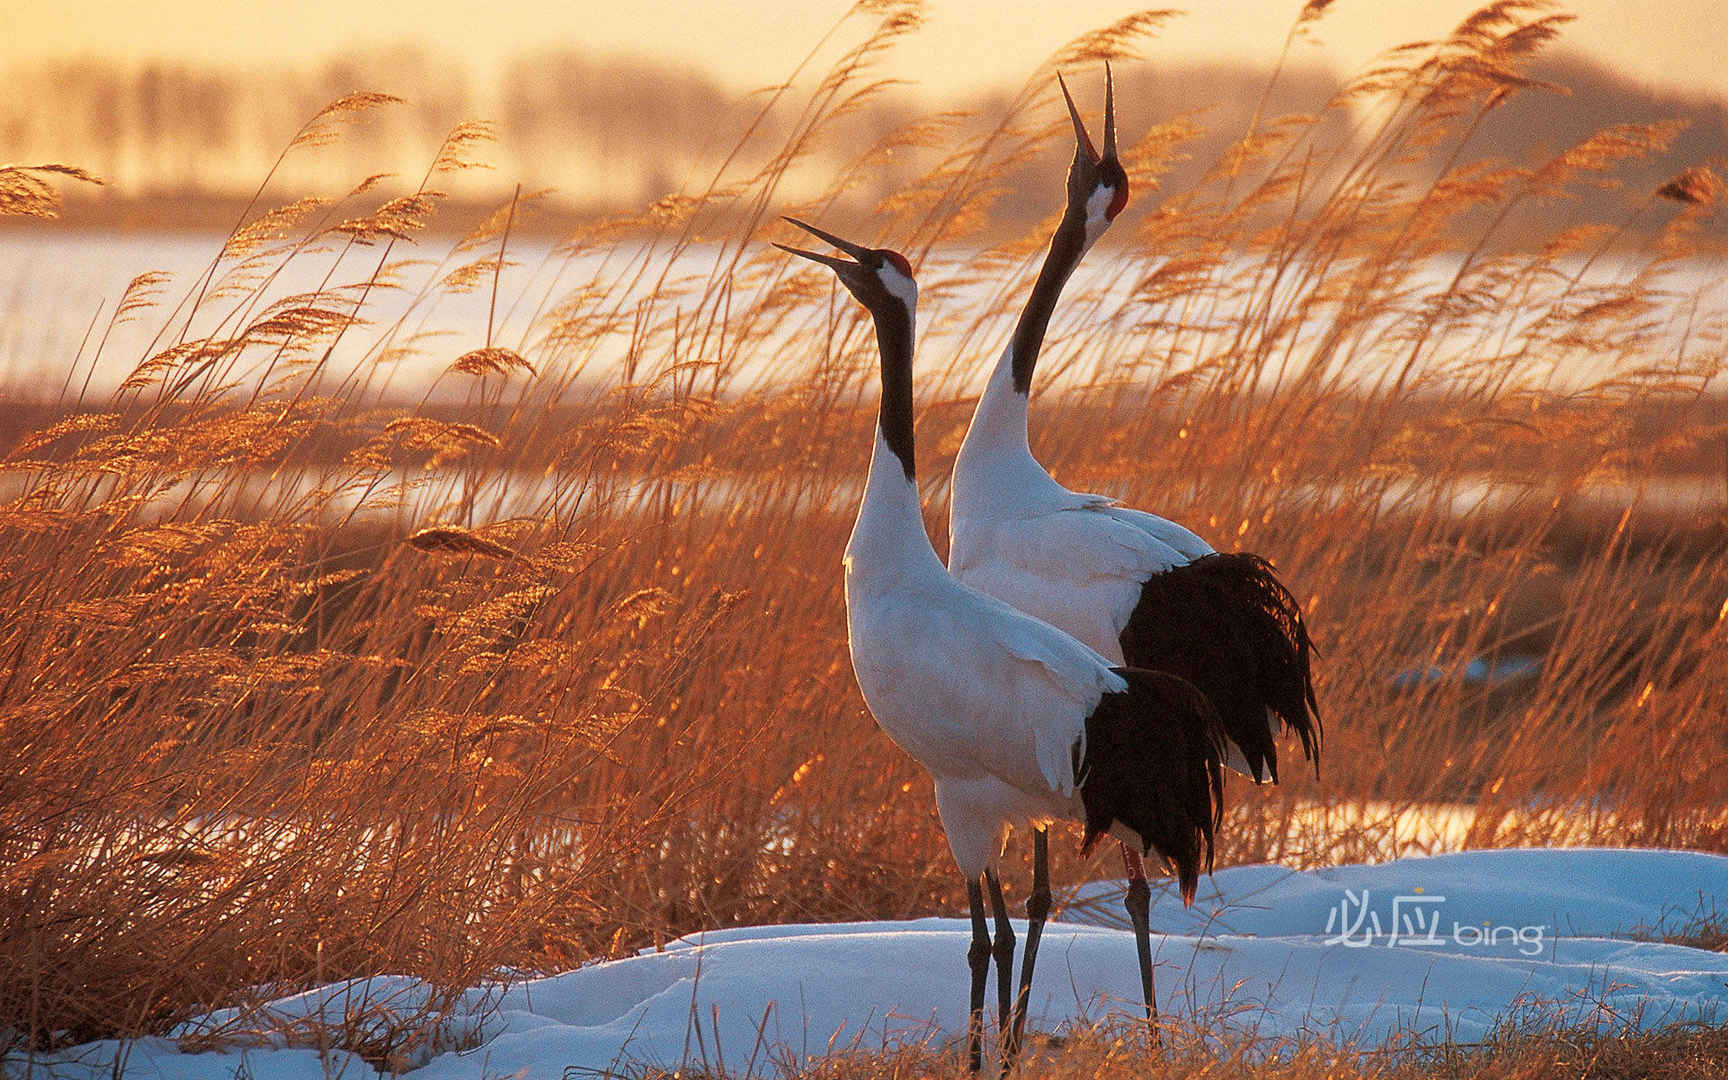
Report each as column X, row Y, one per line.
column 1066, row 248
column 894, row 340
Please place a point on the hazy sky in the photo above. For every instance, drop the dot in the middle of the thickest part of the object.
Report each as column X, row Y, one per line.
column 1672, row 43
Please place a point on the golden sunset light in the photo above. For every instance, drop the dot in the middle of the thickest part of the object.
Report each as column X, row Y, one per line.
column 607, row 108
column 965, row 44
column 979, row 540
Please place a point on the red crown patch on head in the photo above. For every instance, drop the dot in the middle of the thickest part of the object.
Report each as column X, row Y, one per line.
column 1117, row 201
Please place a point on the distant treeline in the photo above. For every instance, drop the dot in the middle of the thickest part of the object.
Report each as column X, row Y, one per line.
column 612, row 135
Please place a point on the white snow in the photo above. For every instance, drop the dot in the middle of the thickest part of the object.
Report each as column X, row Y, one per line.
column 1442, row 947
column 1578, row 892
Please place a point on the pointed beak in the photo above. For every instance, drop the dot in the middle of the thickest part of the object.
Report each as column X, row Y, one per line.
column 1109, row 112
column 1082, row 141
column 1084, row 148
column 857, row 251
column 836, row 264
column 844, row 267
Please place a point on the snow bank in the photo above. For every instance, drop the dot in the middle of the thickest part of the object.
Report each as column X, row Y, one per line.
column 1443, row 947
column 1583, row 892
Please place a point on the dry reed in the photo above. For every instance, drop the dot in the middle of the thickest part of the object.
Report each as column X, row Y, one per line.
column 1539, row 1051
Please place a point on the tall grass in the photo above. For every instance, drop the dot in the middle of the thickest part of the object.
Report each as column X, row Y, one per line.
column 299, row 682
column 1107, row 1051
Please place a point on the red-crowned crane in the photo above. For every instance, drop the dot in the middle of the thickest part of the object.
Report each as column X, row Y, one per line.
column 1018, row 723
column 1137, row 588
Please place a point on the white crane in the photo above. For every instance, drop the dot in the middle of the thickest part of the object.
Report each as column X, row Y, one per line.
column 1137, row 588
column 1018, row 723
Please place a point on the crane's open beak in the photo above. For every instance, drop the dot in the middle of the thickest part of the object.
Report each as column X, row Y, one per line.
column 838, row 265
column 1082, row 141
column 1083, row 144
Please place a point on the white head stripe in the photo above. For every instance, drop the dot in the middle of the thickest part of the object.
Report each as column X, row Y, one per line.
column 902, row 287
column 1096, row 218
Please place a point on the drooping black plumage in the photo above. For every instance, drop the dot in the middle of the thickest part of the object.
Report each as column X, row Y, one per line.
column 1153, row 761
column 1225, row 623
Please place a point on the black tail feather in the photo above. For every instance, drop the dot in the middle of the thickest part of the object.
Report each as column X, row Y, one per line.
column 1227, row 624
column 1154, row 762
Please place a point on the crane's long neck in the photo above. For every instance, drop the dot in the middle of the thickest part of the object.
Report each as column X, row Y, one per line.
column 889, row 534
column 995, row 465
column 894, row 333
column 1067, row 247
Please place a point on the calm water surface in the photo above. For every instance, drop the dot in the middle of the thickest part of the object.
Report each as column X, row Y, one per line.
column 59, row 289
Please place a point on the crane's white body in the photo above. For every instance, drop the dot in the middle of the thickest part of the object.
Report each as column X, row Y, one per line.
column 1075, row 560
column 990, row 700
column 998, row 705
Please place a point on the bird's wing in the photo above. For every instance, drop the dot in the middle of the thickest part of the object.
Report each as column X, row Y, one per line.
column 971, row 687
column 1084, row 546
column 1080, row 566
column 1065, row 680
column 1181, row 540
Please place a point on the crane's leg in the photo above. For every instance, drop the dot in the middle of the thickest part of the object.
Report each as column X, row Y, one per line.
column 1037, row 910
column 1003, row 951
column 1138, row 903
column 978, row 959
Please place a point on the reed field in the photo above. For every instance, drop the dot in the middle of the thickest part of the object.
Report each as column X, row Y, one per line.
column 1104, row 1052
column 310, row 671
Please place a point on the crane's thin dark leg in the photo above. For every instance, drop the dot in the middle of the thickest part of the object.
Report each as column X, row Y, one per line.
column 1037, row 910
column 1003, row 951
column 978, row 959
column 1138, row 904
